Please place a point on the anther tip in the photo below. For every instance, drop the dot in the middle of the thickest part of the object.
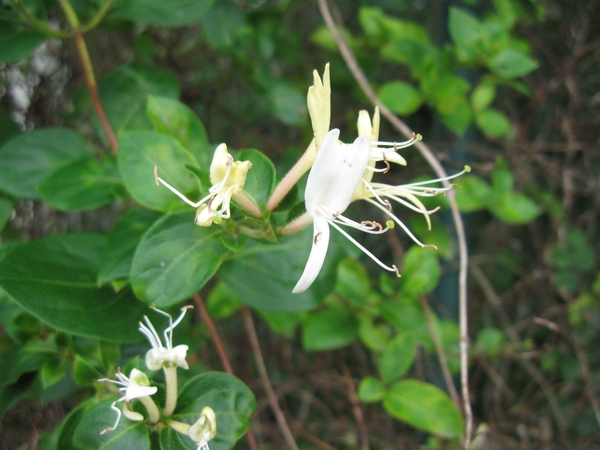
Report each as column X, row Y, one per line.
column 418, row 137
column 467, row 169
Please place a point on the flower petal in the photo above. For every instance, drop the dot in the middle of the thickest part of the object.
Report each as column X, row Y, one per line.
column 317, row 255
column 335, row 174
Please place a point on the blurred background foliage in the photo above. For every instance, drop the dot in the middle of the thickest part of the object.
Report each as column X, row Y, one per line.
column 511, row 87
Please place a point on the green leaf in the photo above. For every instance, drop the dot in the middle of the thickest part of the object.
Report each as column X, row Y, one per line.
column 474, row 194
column 489, row 341
column 29, row 358
column 117, row 256
column 172, row 117
column 370, row 390
column 493, row 123
column 375, row 337
column 174, row 13
column 6, row 209
column 438, row 235
column 420, row 271
column 17, row 41
column 30, row 158
column 353, row 282
column 483, row 96
column 263, row 274
column 127, row 435
column 397, row 357
column 222, row 23
column 514, row 209
column 175, row 258
column 466, row 32
column 407, row 316
column 141, row 151
column 456, row 114
column 402, row 98
column 287, row 104
column 230, row 399
column 52, row 371
column 84, row 373
column 511, row 63
column 502, row 182
column 125, row 91
column 328, row 330
column 82, row 185
column 55, row 280
column 423, row 406
column 260, row 180
column 109, row 354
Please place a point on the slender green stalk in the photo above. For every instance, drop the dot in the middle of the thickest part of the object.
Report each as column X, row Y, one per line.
column 171, row 381
column 153, row 411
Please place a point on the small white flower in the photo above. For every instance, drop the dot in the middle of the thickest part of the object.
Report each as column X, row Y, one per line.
column 227, row 177
column 332, row 181
column 204, row 429
column 136, row 386
column 164, row 355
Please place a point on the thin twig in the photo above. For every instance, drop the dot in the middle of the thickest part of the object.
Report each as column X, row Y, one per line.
column 531, row 368
column 361, row 79
column 222, row 354
column 264, row 376
column 440, row 352
column 358, row 415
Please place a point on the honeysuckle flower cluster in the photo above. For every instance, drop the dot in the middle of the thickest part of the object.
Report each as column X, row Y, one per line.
column 342, row 173
column 227, row 177
column 137, row 385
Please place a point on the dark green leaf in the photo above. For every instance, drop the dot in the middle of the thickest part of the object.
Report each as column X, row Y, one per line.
column 370, row 390
column 222, row 24
column 30, row 158
column 174, row 13
column 328, row 330
column 6, row 209
column 84, row 373
column 8, row 127
column 55, row 280
column 29, row 358
column 402, row 98
column 464, row 28
column 424, row 406
column 287, row 104
column 117, row 256
column 141, row 151
column 82, row 185
column 175, row 258
column 260, row 180
column 375, row 337
column 221, row 302
column 53, row 370
column 17, row 42
column 511, row 63
column 125, row 91
column 230, row 399
column 473, row 195
column 263, row 274
column 397, row 357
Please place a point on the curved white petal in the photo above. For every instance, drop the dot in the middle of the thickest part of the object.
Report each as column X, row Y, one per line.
column 317, row 255
column 335, row 174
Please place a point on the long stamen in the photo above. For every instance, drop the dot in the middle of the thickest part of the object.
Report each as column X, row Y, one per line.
column 157, row 179
column 365, row 251
column 118, row 411
column 151, row 333
column 467, row 169
column 398, row 221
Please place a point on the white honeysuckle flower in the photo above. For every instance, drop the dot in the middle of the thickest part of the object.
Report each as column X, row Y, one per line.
column 228, row 178
column 164, row 355
column 204, row 429
column 332, row 181
column 136, row 386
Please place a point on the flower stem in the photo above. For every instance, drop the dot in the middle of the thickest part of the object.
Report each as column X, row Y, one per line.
column 291, row 178
column 153, row 411
column 90, row 79
column 171, row 382
column 180, row 427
